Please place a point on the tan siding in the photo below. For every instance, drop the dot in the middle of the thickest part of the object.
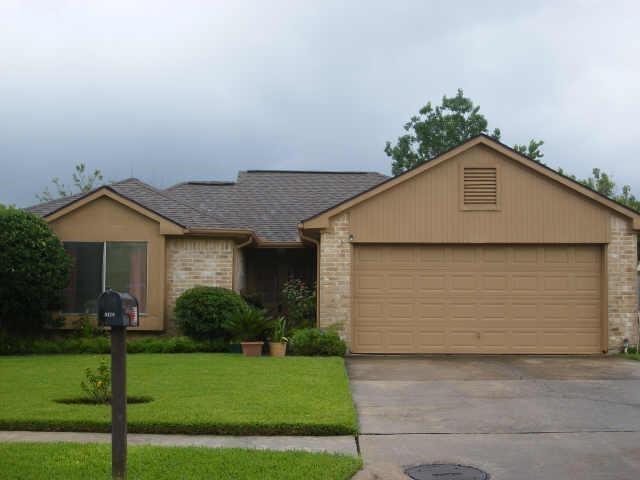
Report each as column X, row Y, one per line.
column 105, row 220
column 532, row 209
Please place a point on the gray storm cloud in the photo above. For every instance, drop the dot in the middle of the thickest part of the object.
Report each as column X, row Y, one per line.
column 169, row 91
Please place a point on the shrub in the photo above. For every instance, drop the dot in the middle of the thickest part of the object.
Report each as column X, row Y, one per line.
column 201, row 312
column 34, row 270
column 83, row 327
column 299, row 301
column 315, row 342
column 97, row 385
column 249, row 325
column 41, row 346
column 255, row 299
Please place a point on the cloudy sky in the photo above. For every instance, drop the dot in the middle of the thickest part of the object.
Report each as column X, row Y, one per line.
column 173, row 90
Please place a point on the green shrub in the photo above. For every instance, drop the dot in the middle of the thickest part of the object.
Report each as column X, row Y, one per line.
column 34, row 270
column 299, row 302
column 202, row 312
column 97, row 385
column 249, row 325
column 314, row 342
column 255, row 299
column 41, row 346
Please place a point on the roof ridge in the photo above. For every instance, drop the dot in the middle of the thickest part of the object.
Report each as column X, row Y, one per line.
column 173, row 198
column 333, row 172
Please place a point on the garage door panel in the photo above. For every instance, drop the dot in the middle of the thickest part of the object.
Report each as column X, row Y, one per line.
column 430, row 284
column 477, row 299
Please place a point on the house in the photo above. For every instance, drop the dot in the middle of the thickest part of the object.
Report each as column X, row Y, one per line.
column 480, row 250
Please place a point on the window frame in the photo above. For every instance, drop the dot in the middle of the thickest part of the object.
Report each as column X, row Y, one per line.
column 103, row 267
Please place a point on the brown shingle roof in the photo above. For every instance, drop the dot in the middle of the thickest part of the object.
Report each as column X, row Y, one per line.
column 271, row 203
column 268, row 202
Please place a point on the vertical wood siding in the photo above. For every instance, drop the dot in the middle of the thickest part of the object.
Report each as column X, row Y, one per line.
column 530, row 209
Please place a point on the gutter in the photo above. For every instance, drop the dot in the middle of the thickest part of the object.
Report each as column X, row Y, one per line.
column 236, row 248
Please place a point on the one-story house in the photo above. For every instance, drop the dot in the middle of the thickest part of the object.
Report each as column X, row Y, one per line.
column 479, row 250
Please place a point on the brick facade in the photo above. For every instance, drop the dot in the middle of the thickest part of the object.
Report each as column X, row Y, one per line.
column 335, row 276
column 196, row 261
column 622, row 261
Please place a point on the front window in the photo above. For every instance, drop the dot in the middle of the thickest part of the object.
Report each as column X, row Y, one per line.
column 121, row 266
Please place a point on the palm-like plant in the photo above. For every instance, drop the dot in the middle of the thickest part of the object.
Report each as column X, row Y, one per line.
column 280, row 330
column 249, row 325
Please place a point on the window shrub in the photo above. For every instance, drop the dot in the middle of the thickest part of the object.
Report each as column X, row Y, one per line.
column 316, row 342
column 202, row 312
column 299, row 302
column 34, row 270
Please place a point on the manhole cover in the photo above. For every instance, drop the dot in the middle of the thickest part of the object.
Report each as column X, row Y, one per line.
column 445, row 471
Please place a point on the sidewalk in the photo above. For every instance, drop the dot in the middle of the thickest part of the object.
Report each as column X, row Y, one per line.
column 340, row 444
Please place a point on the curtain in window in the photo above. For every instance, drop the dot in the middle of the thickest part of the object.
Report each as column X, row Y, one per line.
column 127, row 269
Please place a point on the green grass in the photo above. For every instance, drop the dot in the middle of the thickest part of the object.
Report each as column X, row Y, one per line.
column 68, row 461
column 223, row 394
column 631, row 356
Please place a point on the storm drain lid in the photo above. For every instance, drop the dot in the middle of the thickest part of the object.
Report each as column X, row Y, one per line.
column 445, row 471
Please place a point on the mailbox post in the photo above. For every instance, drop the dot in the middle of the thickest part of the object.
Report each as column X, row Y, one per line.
column 118, row 311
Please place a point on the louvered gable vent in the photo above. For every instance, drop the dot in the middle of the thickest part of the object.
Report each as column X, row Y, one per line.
column 480, row 186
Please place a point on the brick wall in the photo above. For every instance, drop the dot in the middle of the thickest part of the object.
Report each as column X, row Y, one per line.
column 196, row 261
column 622, row 261
column 335, row 276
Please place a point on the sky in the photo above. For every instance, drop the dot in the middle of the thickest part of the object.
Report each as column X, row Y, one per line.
column 168, row 91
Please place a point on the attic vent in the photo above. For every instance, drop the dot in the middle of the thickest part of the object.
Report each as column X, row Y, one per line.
column 480, row 187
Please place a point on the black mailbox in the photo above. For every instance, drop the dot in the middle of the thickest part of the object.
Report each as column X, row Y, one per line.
column 117, row 309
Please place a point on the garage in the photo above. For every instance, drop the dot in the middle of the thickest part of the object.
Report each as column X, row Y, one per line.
column 483, row 251
column 477, row 299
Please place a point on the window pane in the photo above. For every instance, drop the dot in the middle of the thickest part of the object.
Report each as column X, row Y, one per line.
column 85, row 283
column 127, row 269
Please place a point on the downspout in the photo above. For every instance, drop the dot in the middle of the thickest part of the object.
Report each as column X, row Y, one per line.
column 317, row 244
column 236, row 248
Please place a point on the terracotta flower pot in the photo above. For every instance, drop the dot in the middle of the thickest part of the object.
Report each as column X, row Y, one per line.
column 252, row 349
column 278, row 349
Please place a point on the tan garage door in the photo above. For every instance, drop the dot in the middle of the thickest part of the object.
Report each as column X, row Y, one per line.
column 477, row 299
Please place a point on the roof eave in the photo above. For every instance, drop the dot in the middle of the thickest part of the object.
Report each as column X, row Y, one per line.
column 167, row 225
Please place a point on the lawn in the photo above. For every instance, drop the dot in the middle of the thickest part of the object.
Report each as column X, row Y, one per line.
column 68, row 461
column 223, row 394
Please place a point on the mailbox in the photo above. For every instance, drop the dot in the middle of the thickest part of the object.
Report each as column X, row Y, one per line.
column 116, row 309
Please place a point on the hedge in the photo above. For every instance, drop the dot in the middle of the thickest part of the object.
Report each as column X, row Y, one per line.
column 25, row 346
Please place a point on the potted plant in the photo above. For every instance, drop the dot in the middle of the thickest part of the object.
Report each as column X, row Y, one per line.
column 278, row 345
column 250, row 326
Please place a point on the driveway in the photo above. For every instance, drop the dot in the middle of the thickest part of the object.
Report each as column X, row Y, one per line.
column 516, row 417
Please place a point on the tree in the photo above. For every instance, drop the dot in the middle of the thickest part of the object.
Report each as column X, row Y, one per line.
column 437, row 129
column 34, row 269
column 82, row 182
column 603, row 183
column 532, row 150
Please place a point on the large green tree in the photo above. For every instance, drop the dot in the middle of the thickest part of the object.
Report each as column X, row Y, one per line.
column 81, row 182
column 34, row 269
column 437, row 129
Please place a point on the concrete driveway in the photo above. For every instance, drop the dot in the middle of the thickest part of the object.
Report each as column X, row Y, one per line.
column 516, row 417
